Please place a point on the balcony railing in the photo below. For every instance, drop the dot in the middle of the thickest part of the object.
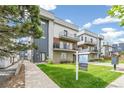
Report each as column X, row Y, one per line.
column 64, row 47
column 88, row 50
column 107, row 44
column 86, row 43
column 68, row 37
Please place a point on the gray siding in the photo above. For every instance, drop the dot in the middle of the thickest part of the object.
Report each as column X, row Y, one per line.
column 42, row 43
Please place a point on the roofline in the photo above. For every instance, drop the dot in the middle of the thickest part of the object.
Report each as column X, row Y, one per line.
column 54, row 18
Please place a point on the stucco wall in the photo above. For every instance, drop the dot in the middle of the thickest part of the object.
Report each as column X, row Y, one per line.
column 57, row 57
column 59, row 28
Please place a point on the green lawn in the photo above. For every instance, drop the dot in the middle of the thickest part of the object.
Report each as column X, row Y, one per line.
column 64, row 75
column 109, row 61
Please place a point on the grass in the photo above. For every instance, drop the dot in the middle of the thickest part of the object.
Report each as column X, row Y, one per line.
column 64, row 75
column 109, row 61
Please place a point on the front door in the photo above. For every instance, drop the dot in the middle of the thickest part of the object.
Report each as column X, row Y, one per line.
column 43, row 56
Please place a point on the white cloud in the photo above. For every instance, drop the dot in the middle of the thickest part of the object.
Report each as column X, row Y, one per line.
column 48, row 7
column 104, row 20
column 88, row 25
column 108, row 29
column 107, row 19
column 69, row 21
column 112, row 35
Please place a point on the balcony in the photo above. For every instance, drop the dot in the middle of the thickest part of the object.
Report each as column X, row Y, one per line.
column 68, row 37
column 107, row 44
column 101, row 37
column 65, row 48
column 88, row 50
column 88, row 43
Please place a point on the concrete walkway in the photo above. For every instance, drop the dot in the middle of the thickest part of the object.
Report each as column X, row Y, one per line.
column 35, row 78
column 118, row 83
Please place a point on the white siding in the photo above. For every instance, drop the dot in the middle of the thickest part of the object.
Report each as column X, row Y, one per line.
column 59, row 28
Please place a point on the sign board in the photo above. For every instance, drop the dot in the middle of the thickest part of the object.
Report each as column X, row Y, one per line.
column 83, row 61
column 114, row 60
column 83, row 58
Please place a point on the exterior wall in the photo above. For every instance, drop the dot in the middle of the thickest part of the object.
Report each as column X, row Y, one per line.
column 50, row 42
column 90, row 42
column 121, row 47
column 92, row 56
column 42, row 43
column 88, row 38
column 59, row 29
column 54, row 28
column 57, row 57
column 106, row 49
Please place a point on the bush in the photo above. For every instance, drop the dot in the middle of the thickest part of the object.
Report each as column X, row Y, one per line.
column 122, row 53
column 50, row 61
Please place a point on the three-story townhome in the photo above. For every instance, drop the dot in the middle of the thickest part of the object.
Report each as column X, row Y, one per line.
column 90, row 42
column 106, row 49
column 59, row 41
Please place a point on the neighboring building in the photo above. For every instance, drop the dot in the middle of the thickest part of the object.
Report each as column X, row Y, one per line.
column 115, row 48
column 90, row 42
column 106, row 49
column 121, row 46
column 118, row 47
column 59, row 41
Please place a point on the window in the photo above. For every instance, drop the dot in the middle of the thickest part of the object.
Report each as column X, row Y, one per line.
column 65, row 32
column 81, row 38
column 91, row 40
column 64, row 45
column 63, row 56
column 85, row 39
column 74, row 35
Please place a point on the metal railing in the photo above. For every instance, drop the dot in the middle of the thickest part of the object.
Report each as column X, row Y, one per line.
column 64, row 47
column 68, row 35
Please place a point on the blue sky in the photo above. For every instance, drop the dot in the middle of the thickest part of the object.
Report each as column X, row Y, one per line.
column 91, row 17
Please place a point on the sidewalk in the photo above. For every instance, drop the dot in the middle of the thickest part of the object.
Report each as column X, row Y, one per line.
column 35, row 78
column 118, row 83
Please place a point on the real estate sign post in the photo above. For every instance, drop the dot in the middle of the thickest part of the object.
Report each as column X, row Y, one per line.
column 76, row 65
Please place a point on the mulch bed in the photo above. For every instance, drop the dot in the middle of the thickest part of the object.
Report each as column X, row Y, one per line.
column 17, row 81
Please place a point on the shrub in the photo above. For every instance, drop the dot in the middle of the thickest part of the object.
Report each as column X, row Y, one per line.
column 50, row 61
column 122, row 53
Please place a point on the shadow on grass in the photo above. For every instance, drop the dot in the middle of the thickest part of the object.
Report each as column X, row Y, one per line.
column 65, row 78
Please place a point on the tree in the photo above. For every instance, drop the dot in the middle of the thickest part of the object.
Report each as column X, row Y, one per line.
column 117, row 11
column 17, row 21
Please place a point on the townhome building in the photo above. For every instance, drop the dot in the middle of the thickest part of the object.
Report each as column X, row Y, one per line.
column 106, row 49
column 59, row 41
column 90, row 42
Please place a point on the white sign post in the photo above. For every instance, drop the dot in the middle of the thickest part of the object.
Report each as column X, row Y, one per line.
column 76, row 65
